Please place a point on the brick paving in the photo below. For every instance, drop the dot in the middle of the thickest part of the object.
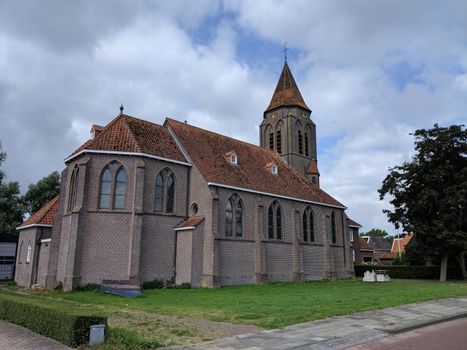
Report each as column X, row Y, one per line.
column 345, row 331
column 13, row 337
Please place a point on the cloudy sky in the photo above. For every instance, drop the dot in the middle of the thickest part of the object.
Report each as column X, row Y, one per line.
column 371, row 71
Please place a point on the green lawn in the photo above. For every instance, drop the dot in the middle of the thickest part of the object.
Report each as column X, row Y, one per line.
column 278, row 304
column 159, row 317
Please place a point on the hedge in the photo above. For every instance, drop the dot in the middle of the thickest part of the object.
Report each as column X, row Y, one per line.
column 410, row 272
column 69, row 328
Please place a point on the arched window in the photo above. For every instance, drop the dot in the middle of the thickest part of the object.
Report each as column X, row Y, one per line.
column 159, row 193
column 333, row 228
column 106, row 189
column 305, row 226
column 300, row 142
column 271, row 223
column 279, row 127
column 308, row 134
column 170, row 194
column 120, row 189
column 165, row 192
column 308, row 227
column 20, row 252
column 73, row 189
column 239, row 219
column 29, row 252
column 228, row 219
column 275, row 221
column 279, row 222
column 234, row 217
column 269, row 137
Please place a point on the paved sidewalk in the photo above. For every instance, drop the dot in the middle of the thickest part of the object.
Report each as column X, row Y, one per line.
column 345, row 331
column 13, row 337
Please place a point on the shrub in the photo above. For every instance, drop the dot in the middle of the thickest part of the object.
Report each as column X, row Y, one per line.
column 67, row 327
column 154, row 284
column 11, row 284
column 409, row 272
column 89, row 287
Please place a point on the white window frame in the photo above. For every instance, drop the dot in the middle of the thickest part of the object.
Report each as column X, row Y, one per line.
column 274, row 169
column 233, row 159
column 29, row 252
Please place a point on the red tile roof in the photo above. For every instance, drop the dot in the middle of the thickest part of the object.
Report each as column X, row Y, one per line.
column 313, row 168
column 191, row 222
column 45, row 215
column 399, row 244
column 129, row 134
column 207, row 150
column 287, row 92
column 387, row 256
column 354, row 223
column 363, row 244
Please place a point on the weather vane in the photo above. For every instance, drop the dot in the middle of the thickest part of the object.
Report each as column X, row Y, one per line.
column 285, row 51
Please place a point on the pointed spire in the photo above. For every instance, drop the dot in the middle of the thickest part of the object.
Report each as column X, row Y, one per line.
column 287, row 92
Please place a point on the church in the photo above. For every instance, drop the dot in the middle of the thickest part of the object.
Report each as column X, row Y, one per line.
column 141, row 201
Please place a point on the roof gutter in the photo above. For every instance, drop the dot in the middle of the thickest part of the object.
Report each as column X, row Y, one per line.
column 33, row 225
column 274, row 195
column 121, row 153
column 185, row 228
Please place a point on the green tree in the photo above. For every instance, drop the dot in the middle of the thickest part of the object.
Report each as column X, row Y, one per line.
column 429, row 193
column 43, row 191
column 2, row 158
column 11, row 207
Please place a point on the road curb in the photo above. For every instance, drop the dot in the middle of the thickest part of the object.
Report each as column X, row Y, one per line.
column 422, row 324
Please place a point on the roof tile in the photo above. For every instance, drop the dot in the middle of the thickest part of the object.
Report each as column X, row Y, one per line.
column 45, row 215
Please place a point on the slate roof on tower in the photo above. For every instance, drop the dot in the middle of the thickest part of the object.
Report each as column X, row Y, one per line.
column 208, row 149
column 130, row 134
column 287, row 92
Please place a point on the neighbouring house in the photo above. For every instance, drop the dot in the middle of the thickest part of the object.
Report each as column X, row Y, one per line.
column 141, row 201
column 379, row 245
column 398, row 247
column 354, row 227
column 7, row 256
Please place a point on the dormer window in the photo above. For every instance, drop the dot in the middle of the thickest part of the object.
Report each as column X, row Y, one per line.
column 231, row 157
column 272, row 167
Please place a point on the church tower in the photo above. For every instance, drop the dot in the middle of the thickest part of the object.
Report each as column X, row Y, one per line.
column 288, row 129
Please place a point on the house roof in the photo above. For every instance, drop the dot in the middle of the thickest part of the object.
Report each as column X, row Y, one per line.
column 399, row 244
column 130, row 134
column 387, row 256
column 379, row 243
column 191, row 222
column 45, row 215
column 353, row 223
column 363, row 245
column 287, row 92
column 207, row 151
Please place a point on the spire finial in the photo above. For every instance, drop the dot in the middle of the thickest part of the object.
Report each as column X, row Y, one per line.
column 121, row 109
column 285, row 51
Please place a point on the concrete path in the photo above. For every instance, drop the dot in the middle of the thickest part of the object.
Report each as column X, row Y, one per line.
column 346, row 331
column 13, row 337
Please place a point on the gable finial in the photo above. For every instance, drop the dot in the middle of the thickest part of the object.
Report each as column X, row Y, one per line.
column 285, row 51
column 121, row 109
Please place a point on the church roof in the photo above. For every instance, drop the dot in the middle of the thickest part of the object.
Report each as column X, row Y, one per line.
column 287, row 92
column 45, row 215
column 130, row 134
column 313, row 168
column 354, row 223
column 207, row 151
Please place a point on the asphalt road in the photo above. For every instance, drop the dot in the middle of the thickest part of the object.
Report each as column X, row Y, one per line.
column 451, row 335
